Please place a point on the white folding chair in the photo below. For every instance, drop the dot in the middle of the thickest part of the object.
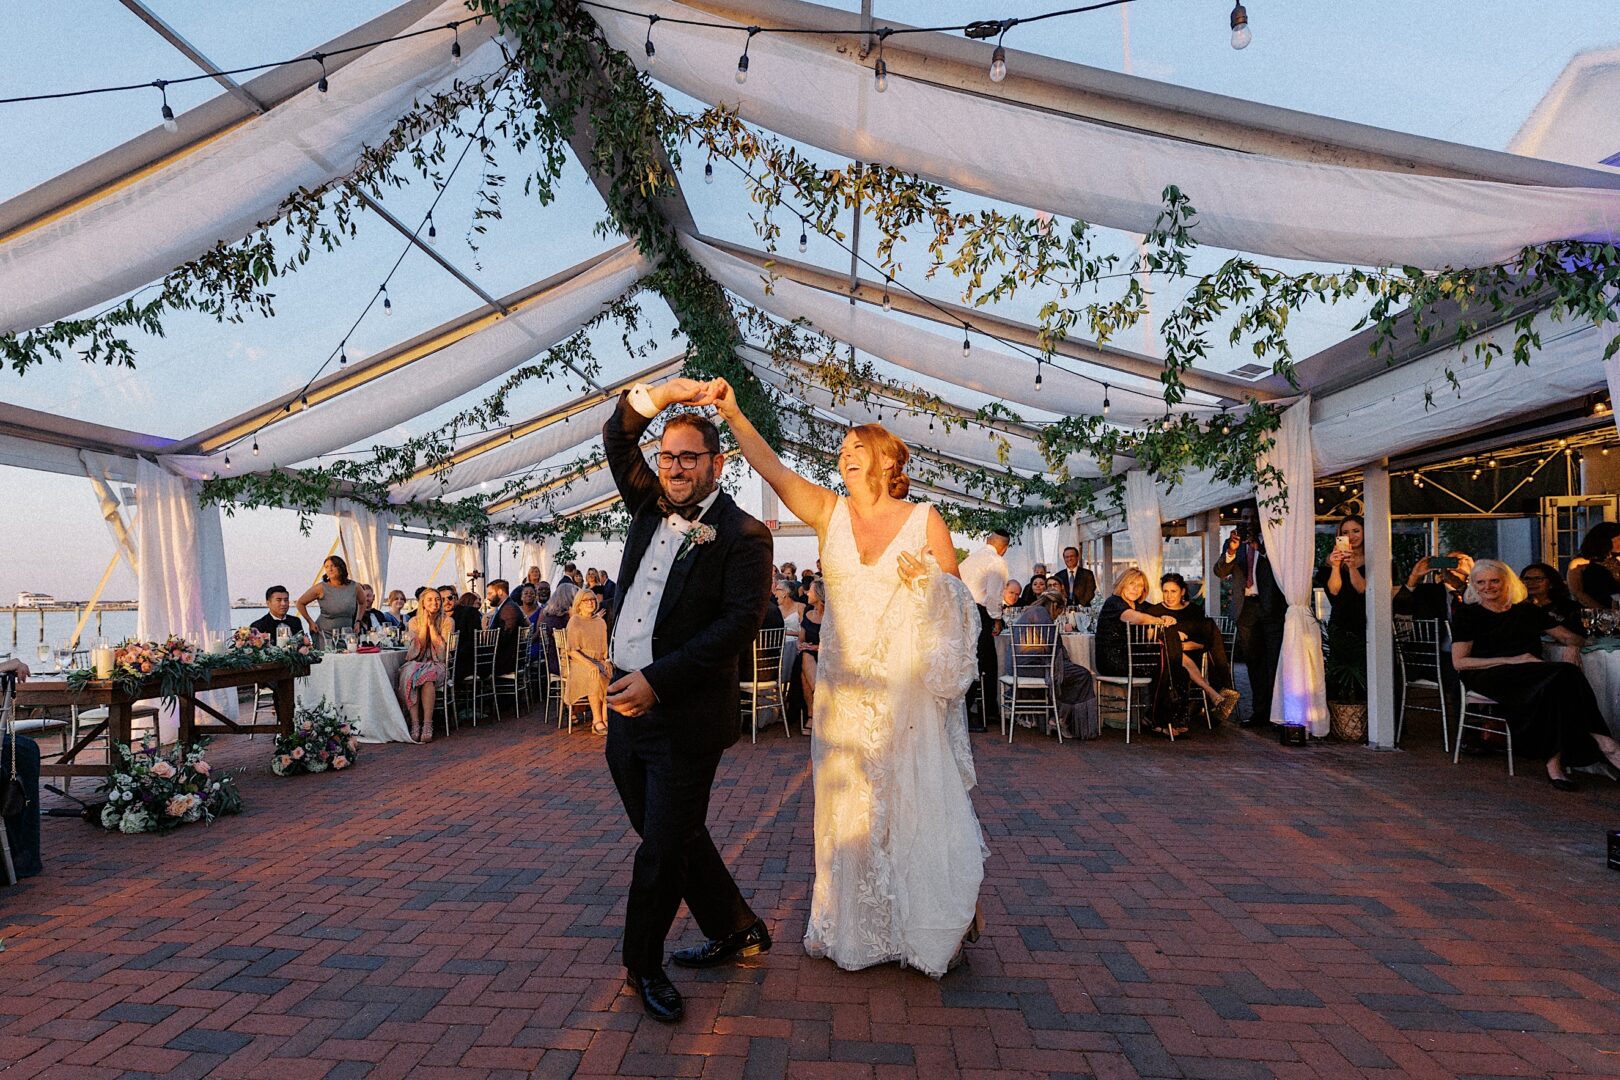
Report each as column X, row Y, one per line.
column 1029, row 689
column 1479, row 707
column 1228, row 628
column 514, row 682
column 1418, row 645
column 445, row 705
column 1142, row 651
column 557, row 690
column 761, row 685
column 483, row 674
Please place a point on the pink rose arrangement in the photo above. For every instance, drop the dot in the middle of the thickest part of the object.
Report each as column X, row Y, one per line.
column 154, row 790
column 323, row 738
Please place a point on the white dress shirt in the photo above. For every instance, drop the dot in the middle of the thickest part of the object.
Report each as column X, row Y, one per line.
column 985, row 573
column 638, row 610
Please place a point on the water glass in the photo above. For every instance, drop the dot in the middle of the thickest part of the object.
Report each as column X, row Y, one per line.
column 283, row 636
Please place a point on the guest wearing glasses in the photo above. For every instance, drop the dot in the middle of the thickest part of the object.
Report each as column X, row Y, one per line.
column 338, row 598
column 1549, row 593
column 1496, row 647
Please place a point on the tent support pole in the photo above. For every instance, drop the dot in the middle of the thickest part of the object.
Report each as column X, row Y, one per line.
column 1381, row 673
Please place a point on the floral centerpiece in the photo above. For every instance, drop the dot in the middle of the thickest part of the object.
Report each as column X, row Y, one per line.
column 156, row 791
column 323, row 738
column 182, row 667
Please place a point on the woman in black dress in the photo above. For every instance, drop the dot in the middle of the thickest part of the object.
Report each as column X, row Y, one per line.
column 1344, row 579
column 1592, row 571
column 801, row 701
column 1496, row 647
column 1129, row 605
column 1200, row 636
column 1549, row 593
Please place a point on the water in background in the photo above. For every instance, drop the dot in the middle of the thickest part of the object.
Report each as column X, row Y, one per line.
column 115, row 627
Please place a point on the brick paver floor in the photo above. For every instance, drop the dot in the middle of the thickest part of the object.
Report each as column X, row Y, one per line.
column 1224, row 907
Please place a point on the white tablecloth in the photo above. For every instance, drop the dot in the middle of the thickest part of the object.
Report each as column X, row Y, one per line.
column 1603, row 672
column 1081, row 648
column 363, row 684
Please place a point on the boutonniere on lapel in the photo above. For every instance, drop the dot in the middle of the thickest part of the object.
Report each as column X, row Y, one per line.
column 692, row 533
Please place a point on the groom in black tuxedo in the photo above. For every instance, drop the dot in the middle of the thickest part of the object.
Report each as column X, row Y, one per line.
column 693, row 589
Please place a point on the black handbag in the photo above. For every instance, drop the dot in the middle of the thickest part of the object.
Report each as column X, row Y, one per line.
column 13, row 796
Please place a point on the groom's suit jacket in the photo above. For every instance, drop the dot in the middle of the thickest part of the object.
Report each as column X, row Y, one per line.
column 712, row 606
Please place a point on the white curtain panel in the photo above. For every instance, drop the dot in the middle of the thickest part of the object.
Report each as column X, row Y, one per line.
column 986, row 368
column 1145, row 526
column 223, row 188
column 407, row 392
column 366, row 539
column 182, row 586
column 1106, row 175
column 1299, row 696
column 469, row 557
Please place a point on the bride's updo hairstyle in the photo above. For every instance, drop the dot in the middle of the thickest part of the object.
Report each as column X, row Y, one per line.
column 884, row 445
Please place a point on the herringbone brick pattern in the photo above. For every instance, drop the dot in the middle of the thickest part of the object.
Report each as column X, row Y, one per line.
column 1221, row 908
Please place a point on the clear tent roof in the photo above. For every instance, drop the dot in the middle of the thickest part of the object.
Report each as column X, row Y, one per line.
column 1336, row 63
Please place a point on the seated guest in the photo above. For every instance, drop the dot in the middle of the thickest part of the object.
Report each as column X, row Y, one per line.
column 366, row 616
column 1011, row 594
column 1422, row 598
column 588, row 670
column 1129, row 606
column 542, row 593
column 394, row 613
column 13, row 666
column 426, row 666
column 554, row 616
column 1199, row 637
column 1549, row 592
column 507, row 617
column 531, row 615
column 1036, row 586
column 449, row 597
column 802, row 679
column 1592, row 571
column 1496, row 648
column 278, row 600
column 788, row 609
column 1071, row 683
column 1077, row 581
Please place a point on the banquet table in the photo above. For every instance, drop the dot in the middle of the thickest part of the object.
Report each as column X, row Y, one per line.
column 363, row 685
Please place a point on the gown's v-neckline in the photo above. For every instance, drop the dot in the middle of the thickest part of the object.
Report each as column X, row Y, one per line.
column 855, row 541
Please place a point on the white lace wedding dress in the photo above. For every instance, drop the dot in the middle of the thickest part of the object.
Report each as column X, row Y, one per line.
column 899, row 854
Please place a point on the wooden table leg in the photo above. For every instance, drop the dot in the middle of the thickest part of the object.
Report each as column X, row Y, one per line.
column 119, row 732
column 284, row 705
column 187, row 706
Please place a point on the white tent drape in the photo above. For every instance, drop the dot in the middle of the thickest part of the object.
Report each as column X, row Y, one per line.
column 366, row 539
column 1146, row 527
column 182, row 588
column 594, row 485
column 987, row 368
column 221, row 188
column 405, row 393
column 1290, row 532
column 469, row 559
column 512, row 457
column 1105, row 174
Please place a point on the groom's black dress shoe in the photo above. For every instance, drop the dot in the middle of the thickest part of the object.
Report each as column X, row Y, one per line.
column 750, row 942
column 658, row 994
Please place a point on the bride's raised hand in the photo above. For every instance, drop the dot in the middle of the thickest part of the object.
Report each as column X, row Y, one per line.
column 724, row 399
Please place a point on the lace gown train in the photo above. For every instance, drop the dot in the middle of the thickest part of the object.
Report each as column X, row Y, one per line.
column 899, row 853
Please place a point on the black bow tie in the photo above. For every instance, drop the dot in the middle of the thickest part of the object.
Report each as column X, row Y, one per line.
column 690, row 513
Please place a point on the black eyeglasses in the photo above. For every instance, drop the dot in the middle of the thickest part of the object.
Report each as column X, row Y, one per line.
column 687, row 458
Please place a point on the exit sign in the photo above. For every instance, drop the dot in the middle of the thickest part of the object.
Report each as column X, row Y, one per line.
column 773, row 524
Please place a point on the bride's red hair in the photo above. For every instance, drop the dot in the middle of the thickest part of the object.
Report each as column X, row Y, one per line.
column 884, row 445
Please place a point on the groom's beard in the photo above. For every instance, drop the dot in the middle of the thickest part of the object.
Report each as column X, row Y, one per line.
column 692, row 493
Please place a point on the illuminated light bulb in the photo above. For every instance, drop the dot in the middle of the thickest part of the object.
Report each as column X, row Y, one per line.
column 255, row 447
column 303, row 400
column 804, row 239
column 1491, row 463
column 998, row 64
column 1344, row 487
column 967, row 345
column 1241, row 34
column 227, row 461
column 1106, row 407
column 742, row 69
column 1037, row 376
column 888, row 302
column 880, row 75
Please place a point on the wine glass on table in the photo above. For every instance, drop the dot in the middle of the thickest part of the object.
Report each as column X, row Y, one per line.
column 44, row 654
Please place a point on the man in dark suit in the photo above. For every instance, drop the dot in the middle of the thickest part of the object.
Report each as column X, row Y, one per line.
column 1259, row 609
column 1079, row 583
column 278, row 601
column 693, row 589
column 506, row 616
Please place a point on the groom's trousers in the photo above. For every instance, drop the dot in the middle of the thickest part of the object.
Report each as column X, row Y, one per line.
column 666, row 795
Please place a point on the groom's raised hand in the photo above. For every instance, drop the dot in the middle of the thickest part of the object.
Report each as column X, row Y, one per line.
column 678, row 392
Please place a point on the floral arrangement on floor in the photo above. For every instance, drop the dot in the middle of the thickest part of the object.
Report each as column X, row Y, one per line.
column 181, row 667
column 156, row 791
column 323, row 738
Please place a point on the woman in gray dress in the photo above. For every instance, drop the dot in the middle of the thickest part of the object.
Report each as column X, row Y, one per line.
column 336, row 594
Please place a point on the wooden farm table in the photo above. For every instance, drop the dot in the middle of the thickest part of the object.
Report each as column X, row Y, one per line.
column 117, row 727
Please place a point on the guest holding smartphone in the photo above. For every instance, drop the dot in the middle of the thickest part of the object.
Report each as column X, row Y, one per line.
column 1344, row 578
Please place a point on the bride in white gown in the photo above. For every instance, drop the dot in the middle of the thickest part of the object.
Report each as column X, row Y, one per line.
column 899, row 853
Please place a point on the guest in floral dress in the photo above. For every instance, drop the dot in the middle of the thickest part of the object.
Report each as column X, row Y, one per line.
column 426, row 666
